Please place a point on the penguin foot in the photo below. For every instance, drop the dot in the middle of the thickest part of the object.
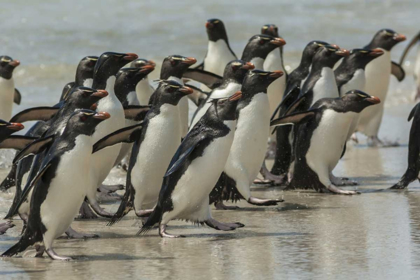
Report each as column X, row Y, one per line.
column 163, row 233
column 144, row 213
column 222, row 226
column 5, row 226
column 72, row 234
column 56, row 257
column 85, row 213
column 101, row 212
column 337, row 181
column 374, row 141
column 271, row 150
column 221, row 206
column 111, row 188
column 40, row 249
column 263, row 202
column 336, row 190
column 270, row 177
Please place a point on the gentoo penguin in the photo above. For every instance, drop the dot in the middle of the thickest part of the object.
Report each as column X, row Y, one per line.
column 60, row 185
column 377, row 81
column 250, row 141
column 195, row 169
column 283, row 138
column 315, row 154
column 219, row 52
column 143, row 89
column 8, row 92
column 233, row 76
column 84, row 75
column 153, row 150
column 413, row 168
column 106, row 69
column 416, row 72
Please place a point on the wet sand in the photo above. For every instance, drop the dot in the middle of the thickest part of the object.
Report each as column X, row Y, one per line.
column 309, row 236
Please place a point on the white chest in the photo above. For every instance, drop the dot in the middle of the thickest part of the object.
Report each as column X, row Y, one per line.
column 132, row 98
column 7, row 90
column 218, row 55
column 276, row 89
column 325, row 87
column 144, row 91
column 378, row 74
column 258, row 62
column 356, row 82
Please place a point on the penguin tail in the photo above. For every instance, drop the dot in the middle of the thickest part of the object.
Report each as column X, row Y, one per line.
column 23, row 243
column 126, row 206
column 153, row 219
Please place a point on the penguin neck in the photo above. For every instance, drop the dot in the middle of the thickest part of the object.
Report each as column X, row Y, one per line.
column 305, row 65
column 274, row 61
column 109, row 87
column 83, row 78
column 347, row 69
column 257, row 61
column 143, row 91
column 122, row 89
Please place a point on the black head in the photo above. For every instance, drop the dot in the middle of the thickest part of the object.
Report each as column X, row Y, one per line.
column 257, row 81
column 385, row 39
column 7, row 128
column 84, row 97
column 84, row 121
column 7, row 65
column 357, row 100
column 328, row 56
column 108, row 65
column 311, row 49
column 170, row 92
column 359, row 58
column 139, row 63
column 85, row 69
column 175, row 66
column 236, row 70
column 259, row 46
column 216, row 30
column 270, row 29
column 127, row 79
column 224, row 109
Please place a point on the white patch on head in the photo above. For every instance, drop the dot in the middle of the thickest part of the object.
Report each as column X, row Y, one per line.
column 7, row 92
column 218, row 55
column 326, row 86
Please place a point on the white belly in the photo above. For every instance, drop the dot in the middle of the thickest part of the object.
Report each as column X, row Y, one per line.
column 250, row 143
column 275, row 91
column 156, row 151
column 68, row 189
column 218, row 55
column 7, row 91
column 325, row 87
column 144, row 91
column 132, row 98
column 258, row 62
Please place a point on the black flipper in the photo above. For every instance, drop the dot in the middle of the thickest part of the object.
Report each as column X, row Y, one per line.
column 66, row 90
column 17, row 97
column 126, row 135
column 34, row 148
column 209, row 79
column 17, row 142
column 409, row 46
column 43, row 113
column 198, row 96
column 293, row 118
column 295, row 105
column 288, row 100
column 397, row 71
column 10, row 179
column 136, row 112
column 413, row 112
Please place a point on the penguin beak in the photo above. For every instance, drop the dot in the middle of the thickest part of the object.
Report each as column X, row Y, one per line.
column 278, row 42
column 102, row 116
column 15, row 126
column 399, row 37
column 94, row 107
column 100, row 93
column 186, row 90
column 373, row 100
column 151, row 62
column 130, row 56
column 147, row 68
column 376, row 52
column 248, row 66
column 335, row 46
column 189, row 60
column 342, row 52
column 236, row 96
column 209, row 25
column 14, row 63
column 276, row 74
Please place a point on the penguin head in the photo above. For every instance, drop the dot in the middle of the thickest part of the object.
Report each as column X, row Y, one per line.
column 85, row 68
column 270, row 29
column 175, row 66
column 84, row 121
column 259, row 46
column 359, row 58
column 170, row 92
column 85, row 97
column 216, row 30
column 311, row 49
column 7, row 65
column 109, row 63
column 257, row 81
column 139, row 63
column 127, row 80
column 7, row 128
column 224, row 109
column 386, row 39
column 357, row 100
column 328, row 56
column 236, row 70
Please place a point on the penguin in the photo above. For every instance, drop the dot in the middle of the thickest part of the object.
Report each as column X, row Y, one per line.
column 233, row 76
column 204, row 151
column 60, row 184
column 295, row 81
column 250, row 141
column 153, row 150
column 143, row 89
column 317, row 155
column 377, row 81
column 219, row 52
column 416, row 73
column 8, row 92
column 412, row 172
column 84, row 75
column 259, row 47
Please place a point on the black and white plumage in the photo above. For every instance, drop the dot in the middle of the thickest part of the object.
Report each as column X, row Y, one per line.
column 8, row 92
column 143, row 88
column 258, row 48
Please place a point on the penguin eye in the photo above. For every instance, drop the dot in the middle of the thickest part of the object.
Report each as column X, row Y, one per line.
column 261, row 42
column 83, row 118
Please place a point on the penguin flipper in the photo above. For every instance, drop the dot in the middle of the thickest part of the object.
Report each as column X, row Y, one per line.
column 293, row 118
column 34, row 148
column 136, row 112
column 127, row 135
column 66, row 90
column 209, row 79
column 288, row 100
column 17, row 97
column 42, row 113
column 397, row 71
column 17, row 142
column 409, row 46
column 198, row 96
column 413, row 111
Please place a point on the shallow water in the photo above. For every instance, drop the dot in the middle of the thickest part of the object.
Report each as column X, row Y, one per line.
column 310, row 235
